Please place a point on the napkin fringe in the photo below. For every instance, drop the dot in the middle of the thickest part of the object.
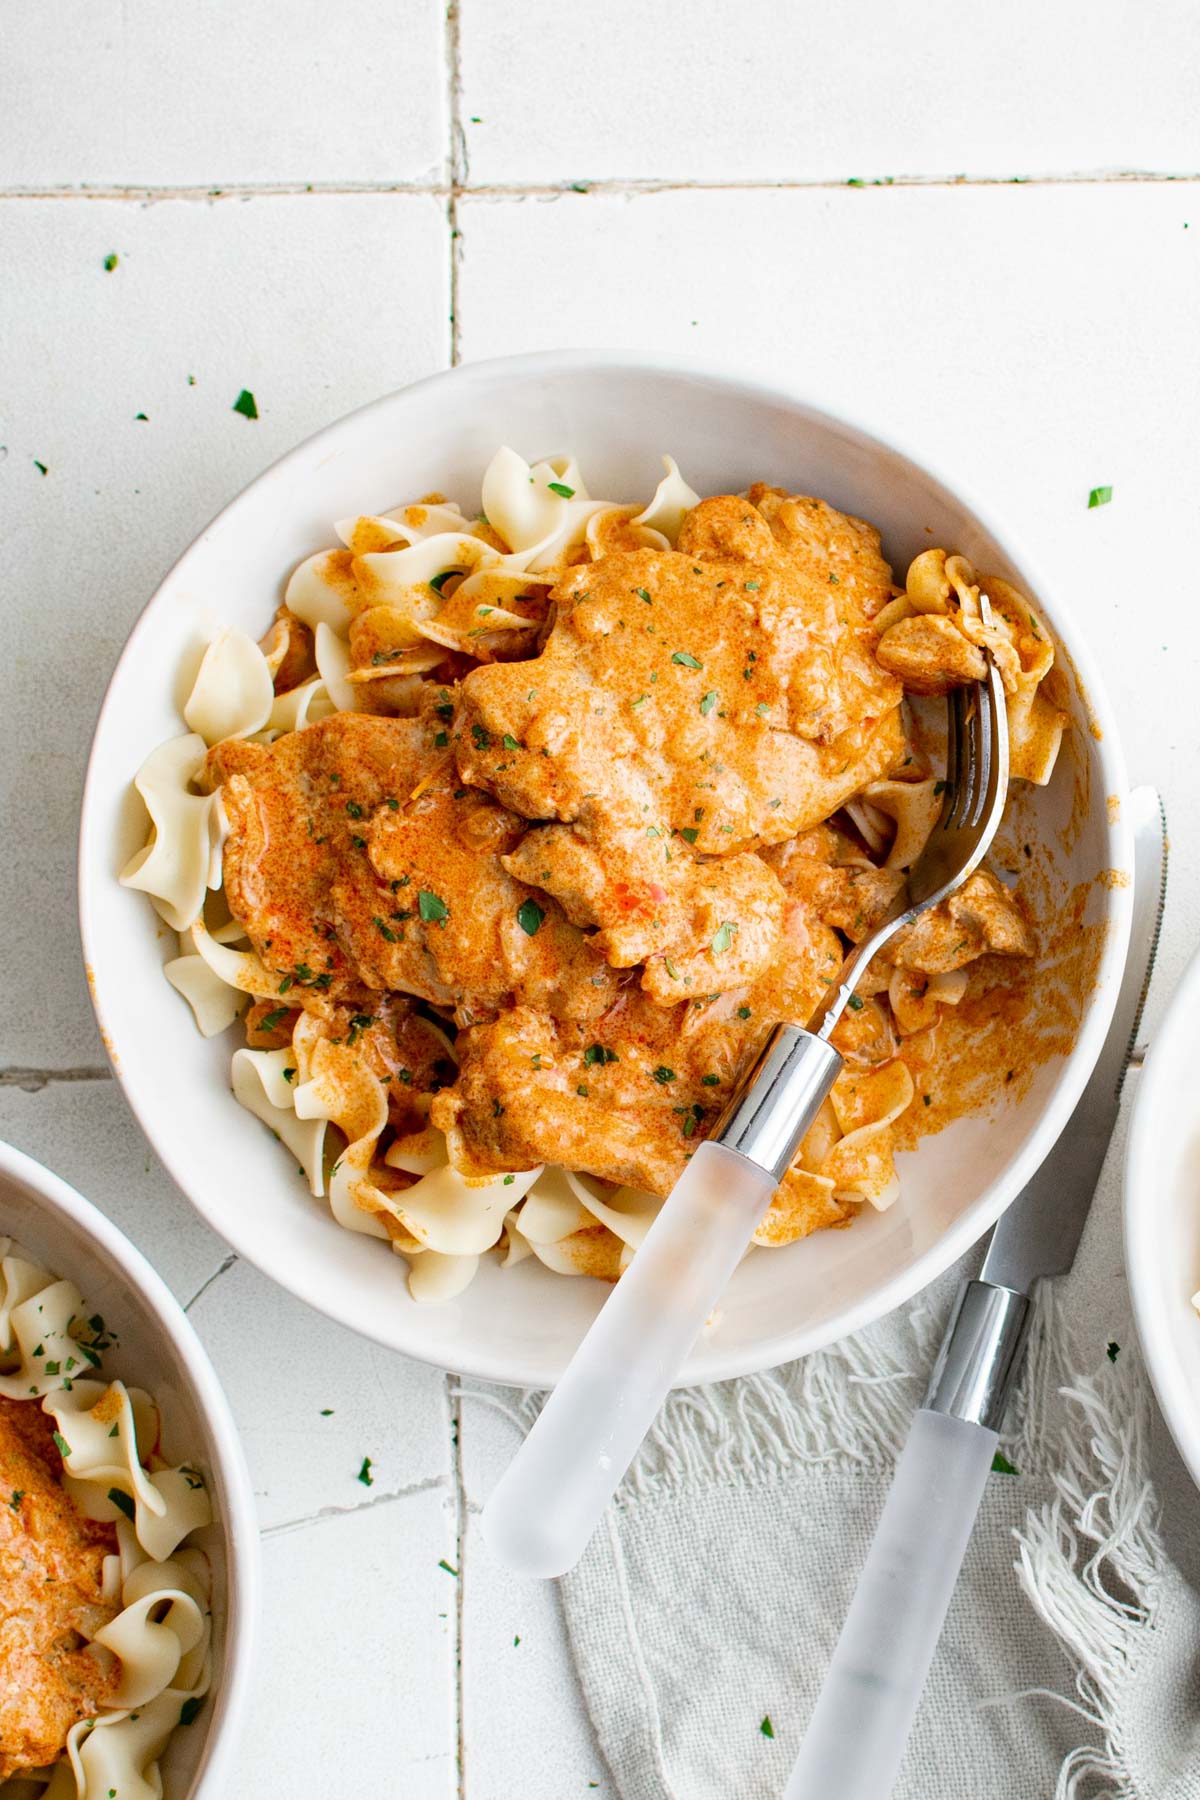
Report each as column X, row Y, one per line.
column 1092, row 1561
column 850, row 1406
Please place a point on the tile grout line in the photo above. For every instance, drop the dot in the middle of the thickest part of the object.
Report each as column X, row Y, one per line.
column 454, row 1416
column 324, row 1513
column 457, row 166
column 32, row 1081
column 223, row 1268
column 457, row 185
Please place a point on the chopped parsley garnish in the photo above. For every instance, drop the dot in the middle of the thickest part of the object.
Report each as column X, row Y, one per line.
column 689, row 832
column 743, row 1012
column 364, row 1474
column 481, row 737
column 939, row 787
column 663, row 1075
column 686, row 660
column 582, row 1090
column 723, row 937
column 510, row 742
column 641, row 594
column 711, row 1080
column 431, row 907
column 752, row 587
column 928, row 1099
column 529, row 917
column 245, row 405
column 63, row 1447
column 709, row 701
column 508, row 1180
column 561, row 489
column 18, row 1494
column 1113, row 1351
column 123, row 1503
column 386, row 932
column 354, row 809
column 273, row 1019
column 1099, row 496
column 443, row 1564
column 110, row 262
column 440, row 740
column 855, row 1003
column 142, row 418
column 767, row 1729
column 833, row 580
column 327, row 1412
column 438, row 582
column 1001, row 1465
column 40, row 466
column 598, row 1053
column 189, row 1711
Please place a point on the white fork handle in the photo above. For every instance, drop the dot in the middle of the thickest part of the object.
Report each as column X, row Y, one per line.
column 865, row 1710
column 549, row 1500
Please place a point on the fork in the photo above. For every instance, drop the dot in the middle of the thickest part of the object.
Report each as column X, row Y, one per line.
column 549, row 1500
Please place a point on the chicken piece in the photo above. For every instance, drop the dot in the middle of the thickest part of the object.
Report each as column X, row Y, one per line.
column 357, row 864
column 930, row 655
column 51, row 1565
column 982, row 916
column 726, row 690
column 851, row 895
column 845, row 551
column 708, row 925
column 628, row 1096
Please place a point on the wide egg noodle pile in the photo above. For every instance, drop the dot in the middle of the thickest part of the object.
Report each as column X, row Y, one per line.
column 148, row 1635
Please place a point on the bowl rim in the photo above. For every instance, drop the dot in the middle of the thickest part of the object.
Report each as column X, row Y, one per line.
column 242, row 1543
column 1141, row 1201
column 530, row 1371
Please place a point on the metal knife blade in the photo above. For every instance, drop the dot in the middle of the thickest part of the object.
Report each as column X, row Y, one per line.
column 1040, row 1232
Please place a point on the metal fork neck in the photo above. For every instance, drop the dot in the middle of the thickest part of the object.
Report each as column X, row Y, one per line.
column 779, row 1099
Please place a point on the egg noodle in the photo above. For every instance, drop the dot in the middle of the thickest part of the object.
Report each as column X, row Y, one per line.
column 516, row 832
column 140, row 1612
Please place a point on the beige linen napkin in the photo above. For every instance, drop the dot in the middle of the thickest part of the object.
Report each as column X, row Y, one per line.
column 703, row 1616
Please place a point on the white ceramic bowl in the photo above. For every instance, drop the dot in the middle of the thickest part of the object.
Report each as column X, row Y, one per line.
column 158, row 1350
column 1162, row 1216
column 617, row 413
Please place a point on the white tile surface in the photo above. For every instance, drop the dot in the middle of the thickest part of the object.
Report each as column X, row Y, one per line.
column 257, row 293
column 1033, row 340
column 761, row 91
column 382, row 1406
column 85, row 1132
column 555, row 1752
column 355, row 1694
column 142, row 94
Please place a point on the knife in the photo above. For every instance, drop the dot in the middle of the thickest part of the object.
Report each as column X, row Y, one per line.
column 859, row 1729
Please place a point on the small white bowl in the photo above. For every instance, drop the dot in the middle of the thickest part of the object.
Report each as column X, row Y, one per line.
column 158, row 1350
column 616, row 412
column 1162, row 1216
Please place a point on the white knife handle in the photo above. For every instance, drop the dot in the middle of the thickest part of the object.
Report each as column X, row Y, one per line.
column 549, row 1500
column 865, row 1710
